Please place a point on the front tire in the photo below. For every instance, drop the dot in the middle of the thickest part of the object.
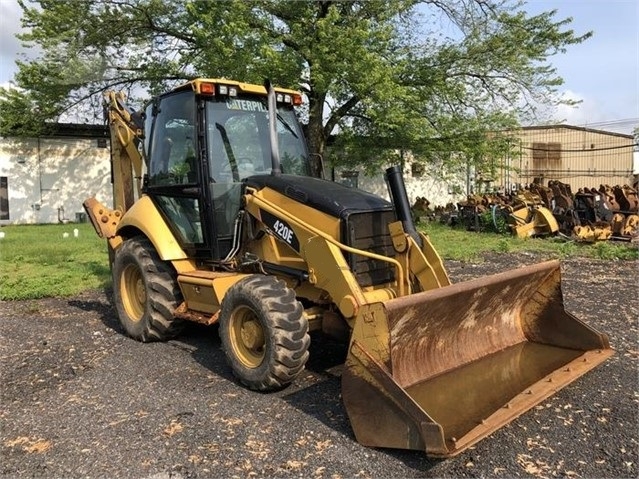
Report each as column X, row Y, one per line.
column 146, row 292
column 264, row 333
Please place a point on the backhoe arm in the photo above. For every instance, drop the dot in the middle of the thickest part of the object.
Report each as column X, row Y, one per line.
column 126, row 131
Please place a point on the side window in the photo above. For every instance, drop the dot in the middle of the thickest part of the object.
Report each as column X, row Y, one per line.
column 185, row 217
column 173, row 159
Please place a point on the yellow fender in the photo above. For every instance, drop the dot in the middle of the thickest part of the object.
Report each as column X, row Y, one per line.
column 144, row 216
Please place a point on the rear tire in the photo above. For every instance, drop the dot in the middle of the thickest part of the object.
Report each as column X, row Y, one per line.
column 146, row 292
column 264, row 333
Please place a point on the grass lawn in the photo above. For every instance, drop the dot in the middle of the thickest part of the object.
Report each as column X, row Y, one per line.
column 38, row 261
column 459, row 244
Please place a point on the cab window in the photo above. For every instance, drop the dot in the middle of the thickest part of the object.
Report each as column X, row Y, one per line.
column 173, row 158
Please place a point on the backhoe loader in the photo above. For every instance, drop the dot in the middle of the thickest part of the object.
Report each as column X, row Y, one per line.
column 219, row 216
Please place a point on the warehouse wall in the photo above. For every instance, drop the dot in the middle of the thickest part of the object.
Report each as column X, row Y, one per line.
column 421, row 181
column 580, row 156
column 47, row 179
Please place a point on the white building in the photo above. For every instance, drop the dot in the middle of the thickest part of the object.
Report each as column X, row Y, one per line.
column 46, row 179
column 419, row 181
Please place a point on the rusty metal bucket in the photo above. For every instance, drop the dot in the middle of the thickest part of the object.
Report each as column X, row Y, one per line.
column 459, row 362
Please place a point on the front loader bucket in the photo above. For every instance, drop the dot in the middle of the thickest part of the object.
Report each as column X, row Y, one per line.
column 438, row 371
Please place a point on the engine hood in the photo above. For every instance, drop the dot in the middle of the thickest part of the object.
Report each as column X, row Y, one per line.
column 329, row 197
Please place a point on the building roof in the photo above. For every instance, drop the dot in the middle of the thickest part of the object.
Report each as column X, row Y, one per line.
column 578, row 128
column 77, row 130
column 65, row 130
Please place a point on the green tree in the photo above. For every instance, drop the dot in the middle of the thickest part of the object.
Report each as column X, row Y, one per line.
column 431, row 75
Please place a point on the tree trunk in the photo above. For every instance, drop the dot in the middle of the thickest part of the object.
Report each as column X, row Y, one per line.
column 314, row 131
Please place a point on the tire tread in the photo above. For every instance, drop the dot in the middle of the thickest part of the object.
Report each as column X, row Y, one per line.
column 287, row 326
column 163, row 292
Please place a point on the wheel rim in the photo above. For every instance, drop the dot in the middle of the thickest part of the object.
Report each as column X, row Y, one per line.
column 133, row 292
column 247, row 337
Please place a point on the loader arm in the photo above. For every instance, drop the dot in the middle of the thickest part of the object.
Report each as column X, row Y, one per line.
column 328, row 270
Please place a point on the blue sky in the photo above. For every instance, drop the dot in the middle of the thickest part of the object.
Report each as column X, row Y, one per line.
column 602, row 72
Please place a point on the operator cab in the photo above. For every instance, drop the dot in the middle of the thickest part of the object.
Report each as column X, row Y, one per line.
column 203, row 139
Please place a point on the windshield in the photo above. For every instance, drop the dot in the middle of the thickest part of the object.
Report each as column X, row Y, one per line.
column 238, row 140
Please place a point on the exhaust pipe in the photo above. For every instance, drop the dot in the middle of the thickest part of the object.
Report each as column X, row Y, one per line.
column 397, row 191
column 272, row 128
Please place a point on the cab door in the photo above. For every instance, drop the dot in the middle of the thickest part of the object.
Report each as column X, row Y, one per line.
column 173, row 170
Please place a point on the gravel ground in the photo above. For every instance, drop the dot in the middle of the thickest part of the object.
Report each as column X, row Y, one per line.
column 79, row 399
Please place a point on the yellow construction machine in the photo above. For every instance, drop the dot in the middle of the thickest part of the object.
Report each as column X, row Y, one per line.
column 218, row 218
column 528, row 216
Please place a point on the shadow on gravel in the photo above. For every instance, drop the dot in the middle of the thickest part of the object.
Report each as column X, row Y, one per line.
column 316, row 393
column 323, row 400
column 104, row 309
column 203, row 342
column 417, row 460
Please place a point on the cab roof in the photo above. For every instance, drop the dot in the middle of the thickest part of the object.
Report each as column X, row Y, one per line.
column 196, row 86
